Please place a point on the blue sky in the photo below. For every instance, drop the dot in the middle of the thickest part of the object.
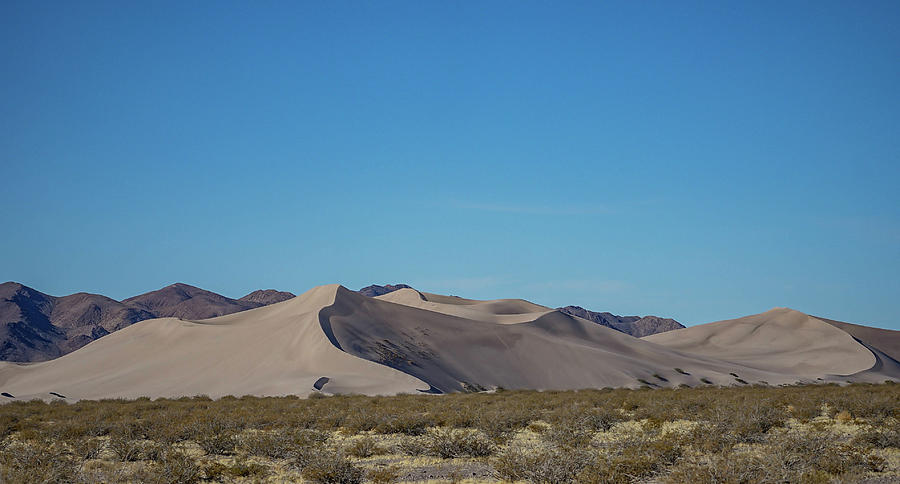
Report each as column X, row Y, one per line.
column 696, row 160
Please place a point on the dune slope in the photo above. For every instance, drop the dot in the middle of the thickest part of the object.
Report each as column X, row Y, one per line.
column 274, row 350
column 786, row 341
column 456, row 344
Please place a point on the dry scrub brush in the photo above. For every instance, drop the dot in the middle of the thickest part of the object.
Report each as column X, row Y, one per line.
column 737, row 434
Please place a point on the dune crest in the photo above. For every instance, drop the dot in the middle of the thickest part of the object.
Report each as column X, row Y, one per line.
column 501, row 311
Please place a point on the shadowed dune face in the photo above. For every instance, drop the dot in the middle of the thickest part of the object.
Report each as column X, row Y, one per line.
column 484, row 344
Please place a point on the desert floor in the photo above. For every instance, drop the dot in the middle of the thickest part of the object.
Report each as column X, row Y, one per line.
column 814, row 433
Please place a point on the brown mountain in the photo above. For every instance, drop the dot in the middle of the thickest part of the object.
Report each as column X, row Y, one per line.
column 636, row 326
column 375, row 290
column 188, row 302
column 35, row 326
column 267, row 296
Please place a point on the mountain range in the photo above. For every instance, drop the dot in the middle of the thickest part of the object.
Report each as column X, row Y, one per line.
column 336, row 341
column 35, row 326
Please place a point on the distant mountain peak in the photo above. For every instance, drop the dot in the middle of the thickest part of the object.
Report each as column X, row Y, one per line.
column 376, row 290
column 634, row 325
column 267, row 296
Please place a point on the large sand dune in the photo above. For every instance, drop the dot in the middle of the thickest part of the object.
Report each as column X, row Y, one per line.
column 457, row 343
column 339, row 341
column 274, row 350
column 786, row 341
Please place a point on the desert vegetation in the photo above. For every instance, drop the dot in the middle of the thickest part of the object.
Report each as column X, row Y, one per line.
column 746, row 433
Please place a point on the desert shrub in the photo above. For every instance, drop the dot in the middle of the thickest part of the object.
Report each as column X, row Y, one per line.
column 130, row 450
column 364, row 446
column 413, row 446
column 819, row 451
column 86, row 448
column 331, row 468
column 638, row 458
column 718, row 468
column 747, row 423
column 500, row 425
column 727, row 422
column 36, row 463
column 384, row 474
column 448, row 443
column 881, row 438
column 215, row 436
column 280, row 444
column 569, row 434
column 9, row 424
column 218, row 471
column 539, row 463
column 173, row 467
column 415, row 424
column 786, row 457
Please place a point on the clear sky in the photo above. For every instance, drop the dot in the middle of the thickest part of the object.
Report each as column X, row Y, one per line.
column 695, row 160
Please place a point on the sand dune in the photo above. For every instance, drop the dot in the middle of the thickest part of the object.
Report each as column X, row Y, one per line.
column 780, row 340
column 502, row 311
column 458, row 343
column 273, row 350
column 335, row 340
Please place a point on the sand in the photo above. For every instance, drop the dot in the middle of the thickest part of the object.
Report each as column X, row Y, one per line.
column 274, row 350
column 334, row 340
column 782, row 340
